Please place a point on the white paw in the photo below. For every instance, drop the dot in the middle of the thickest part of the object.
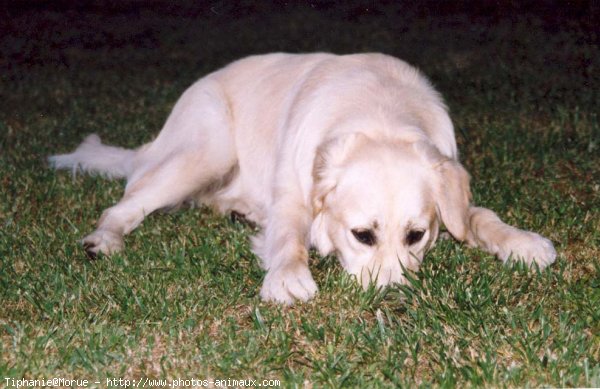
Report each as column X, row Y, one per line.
column 287, row 284
column 102, row 241
column 530, row 248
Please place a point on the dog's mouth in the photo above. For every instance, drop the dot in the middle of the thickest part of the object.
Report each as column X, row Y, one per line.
column 381, row 272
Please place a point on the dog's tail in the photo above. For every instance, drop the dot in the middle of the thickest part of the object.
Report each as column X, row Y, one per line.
column 93, row 157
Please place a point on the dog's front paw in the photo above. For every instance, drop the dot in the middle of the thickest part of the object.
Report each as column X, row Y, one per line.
column 287, row 284
column 530, row 248
column 102, row 241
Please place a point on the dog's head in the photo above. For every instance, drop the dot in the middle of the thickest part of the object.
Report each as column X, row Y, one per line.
column 378, row 204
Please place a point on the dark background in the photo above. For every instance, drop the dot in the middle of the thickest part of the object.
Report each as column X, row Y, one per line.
column 46, row 32
column 506, row 56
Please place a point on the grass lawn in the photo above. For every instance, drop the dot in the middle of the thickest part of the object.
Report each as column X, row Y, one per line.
column 182, row 300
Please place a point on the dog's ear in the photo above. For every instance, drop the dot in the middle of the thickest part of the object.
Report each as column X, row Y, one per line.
column 329, row 160
column 454, row 198
column 319, row 234
column 452, row 192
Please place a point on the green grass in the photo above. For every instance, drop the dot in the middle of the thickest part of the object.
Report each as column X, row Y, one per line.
column 182, row 300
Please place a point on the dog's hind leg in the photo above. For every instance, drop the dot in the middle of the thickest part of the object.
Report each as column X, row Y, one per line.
column 175, row 180
column 194, row 150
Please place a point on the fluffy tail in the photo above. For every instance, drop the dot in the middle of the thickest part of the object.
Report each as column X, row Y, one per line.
column 94, row 157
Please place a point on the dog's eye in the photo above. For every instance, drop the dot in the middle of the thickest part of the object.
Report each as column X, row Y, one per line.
column 364, row 236
column 414, row 236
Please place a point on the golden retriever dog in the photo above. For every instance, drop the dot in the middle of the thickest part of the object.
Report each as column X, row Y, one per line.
column 353, row 155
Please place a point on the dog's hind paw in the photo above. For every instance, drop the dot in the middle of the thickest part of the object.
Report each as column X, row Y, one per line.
column 289, row 283
column 102, row 241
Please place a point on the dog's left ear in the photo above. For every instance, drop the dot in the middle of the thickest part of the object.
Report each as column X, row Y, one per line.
column 452, row 192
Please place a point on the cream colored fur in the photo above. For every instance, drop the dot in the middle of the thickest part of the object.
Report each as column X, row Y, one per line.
column 354, row 155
